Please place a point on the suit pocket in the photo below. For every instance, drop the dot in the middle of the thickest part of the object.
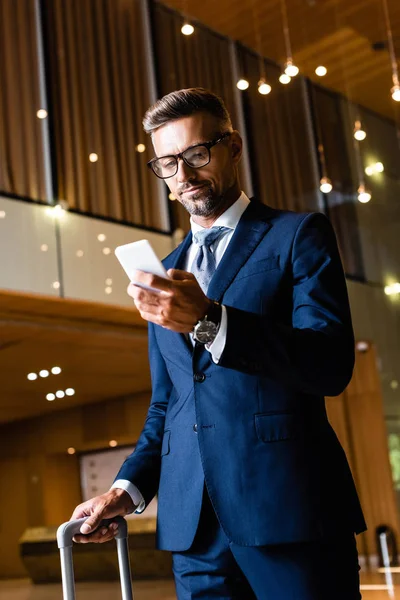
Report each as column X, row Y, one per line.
column 275, row 427
column 260, row 266
column 165, row 443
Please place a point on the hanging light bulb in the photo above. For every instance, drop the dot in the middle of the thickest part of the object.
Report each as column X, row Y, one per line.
column 263, row 87
column 395, row 91
column 321, row 71
column 290, row 69
column 285, row 79
column 326, row 185
column 242, row 84
column 187, row 29
column 363, row 195
column 359, row 132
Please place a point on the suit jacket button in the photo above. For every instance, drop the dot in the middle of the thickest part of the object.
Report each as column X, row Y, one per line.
column 195, row 427
column 199, row 377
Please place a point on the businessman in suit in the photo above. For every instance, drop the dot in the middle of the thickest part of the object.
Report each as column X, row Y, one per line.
column 246, row 337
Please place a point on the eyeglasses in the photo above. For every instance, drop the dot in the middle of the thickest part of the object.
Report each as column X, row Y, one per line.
column 196, row 156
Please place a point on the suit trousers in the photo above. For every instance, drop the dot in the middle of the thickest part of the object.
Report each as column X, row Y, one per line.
column 214, row 567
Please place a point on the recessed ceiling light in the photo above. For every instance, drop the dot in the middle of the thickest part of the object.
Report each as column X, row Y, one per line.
column 56, row 285
column 106, row 251
column 93, row 157
column 56, row 370
column 70, row 391
column 2, row 214
column 44, row 247
column 108, row 290
column 32, row 376
column 109, row 281
column 41, row 113
column 44, row 373
column 60, row 394
column 50, row 397
column 101, row 237
column 113, row 443
column 79, row 253
column 71, row 450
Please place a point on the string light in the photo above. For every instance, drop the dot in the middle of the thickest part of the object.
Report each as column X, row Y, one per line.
column 391, row 290
column 140, row 148
column 93, row 157
column 359, row 132
column 290, row 69
column 364, row 195
column 373, row 169
column 71, row 450
column 187, row 29
column 242, row 84
column 321, row 71
column 58, row 211
column 41, row 113
column 285, row 79
column 264, row 88
column 326, row 185
column 395, row 91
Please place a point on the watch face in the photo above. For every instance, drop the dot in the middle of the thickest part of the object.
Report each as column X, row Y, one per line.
column 205, row 332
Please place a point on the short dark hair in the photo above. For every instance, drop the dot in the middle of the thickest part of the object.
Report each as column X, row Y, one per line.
column 184, row 103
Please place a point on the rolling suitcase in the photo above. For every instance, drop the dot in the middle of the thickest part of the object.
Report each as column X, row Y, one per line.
column 66, row 532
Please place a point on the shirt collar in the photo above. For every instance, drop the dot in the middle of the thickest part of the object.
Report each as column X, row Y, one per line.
column 230, row 218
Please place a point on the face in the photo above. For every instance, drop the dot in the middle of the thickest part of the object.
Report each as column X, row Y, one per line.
column 201, row 191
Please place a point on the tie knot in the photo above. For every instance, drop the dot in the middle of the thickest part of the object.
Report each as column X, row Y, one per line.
column 206, row 237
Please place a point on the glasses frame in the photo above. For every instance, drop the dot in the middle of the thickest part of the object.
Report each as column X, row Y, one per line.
column 181, row 155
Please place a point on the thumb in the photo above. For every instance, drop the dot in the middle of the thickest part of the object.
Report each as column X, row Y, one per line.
column 179, row 275
column 93, row 521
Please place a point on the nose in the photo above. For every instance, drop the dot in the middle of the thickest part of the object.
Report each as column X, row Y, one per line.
column 184, row 173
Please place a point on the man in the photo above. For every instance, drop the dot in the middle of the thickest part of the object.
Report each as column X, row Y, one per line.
column 251, row 331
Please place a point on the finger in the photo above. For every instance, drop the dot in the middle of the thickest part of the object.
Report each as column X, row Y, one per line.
column 179, row 275
column 153, row 281
column 141, row 296
column 104, row 534
column 93, row 521
column 79, row 513
column 176, row 326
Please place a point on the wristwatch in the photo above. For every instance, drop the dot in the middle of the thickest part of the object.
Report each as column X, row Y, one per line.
column 205, row 331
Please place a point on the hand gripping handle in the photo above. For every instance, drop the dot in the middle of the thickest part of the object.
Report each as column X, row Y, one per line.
column 66, row 532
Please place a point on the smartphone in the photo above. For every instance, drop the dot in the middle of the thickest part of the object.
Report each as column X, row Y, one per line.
column 140, row 256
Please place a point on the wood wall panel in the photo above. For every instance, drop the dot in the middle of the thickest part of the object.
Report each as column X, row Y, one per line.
column 358, row 419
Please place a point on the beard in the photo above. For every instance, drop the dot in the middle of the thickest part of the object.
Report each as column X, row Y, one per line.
column 201, row 204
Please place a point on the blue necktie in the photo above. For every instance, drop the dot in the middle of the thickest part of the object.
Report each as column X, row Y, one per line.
column 204, row 264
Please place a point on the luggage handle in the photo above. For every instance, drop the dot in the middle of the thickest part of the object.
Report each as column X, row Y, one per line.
column 66, row 532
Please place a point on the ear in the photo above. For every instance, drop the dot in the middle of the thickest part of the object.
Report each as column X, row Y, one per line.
column 236, row 146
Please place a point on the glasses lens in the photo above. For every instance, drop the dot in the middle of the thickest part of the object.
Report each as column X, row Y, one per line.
column 198, row 156
column 165, row 167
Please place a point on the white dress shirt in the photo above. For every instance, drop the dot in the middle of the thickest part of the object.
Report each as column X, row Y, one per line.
column 230, row 218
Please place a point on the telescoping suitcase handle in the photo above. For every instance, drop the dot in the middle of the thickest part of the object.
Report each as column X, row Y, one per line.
column 66, row 532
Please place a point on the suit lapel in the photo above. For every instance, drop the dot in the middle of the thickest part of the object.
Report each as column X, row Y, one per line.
column 249, row 232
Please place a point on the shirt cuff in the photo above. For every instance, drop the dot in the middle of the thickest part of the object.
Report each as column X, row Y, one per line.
column 137, row 498
column 217, row 347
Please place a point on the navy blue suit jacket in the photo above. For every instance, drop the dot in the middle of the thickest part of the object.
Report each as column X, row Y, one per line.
column 273, row 467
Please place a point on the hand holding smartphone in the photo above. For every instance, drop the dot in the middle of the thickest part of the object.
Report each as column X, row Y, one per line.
column 140, row 256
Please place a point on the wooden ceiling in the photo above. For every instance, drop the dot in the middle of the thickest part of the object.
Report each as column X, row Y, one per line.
column 101, row 349
column 338, row 34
